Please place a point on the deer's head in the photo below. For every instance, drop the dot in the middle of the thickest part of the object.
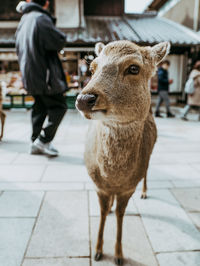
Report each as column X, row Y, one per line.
column 118, row 90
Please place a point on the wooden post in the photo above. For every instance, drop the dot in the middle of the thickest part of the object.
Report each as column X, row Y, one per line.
column 196, row 15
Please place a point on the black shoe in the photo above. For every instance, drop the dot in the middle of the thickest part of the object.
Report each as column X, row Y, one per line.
column 170, row 115
column 184, row 118
column 157, row 114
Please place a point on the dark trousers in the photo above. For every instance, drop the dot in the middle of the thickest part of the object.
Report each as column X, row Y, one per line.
column 52, row 106
column 163, row 96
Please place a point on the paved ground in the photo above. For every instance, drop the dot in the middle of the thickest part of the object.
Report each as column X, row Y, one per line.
column 49, row 211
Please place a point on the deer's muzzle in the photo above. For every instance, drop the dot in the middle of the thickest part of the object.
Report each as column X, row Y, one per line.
column 85, row 102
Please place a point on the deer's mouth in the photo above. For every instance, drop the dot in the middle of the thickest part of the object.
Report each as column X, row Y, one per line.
column 97, row 114
column 99, row 110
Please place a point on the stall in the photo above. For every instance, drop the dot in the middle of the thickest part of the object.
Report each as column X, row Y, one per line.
column 104, row 21
column 76, row 67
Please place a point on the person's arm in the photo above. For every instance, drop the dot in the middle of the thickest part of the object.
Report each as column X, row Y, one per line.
column 51, row 38
column 194, row 74
column 162, row 77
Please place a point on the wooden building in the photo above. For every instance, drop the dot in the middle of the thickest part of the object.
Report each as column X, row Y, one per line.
column 86, row 22
column 185, row 12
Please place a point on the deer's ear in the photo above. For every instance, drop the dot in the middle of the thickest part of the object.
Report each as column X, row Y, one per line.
column 160, row 51
column 98, row 48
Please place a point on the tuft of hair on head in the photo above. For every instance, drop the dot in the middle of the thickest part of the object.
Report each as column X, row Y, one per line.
column 39, row 2
column 98, row 48
column 166, row 62
column 197, row 65
column 160, row 51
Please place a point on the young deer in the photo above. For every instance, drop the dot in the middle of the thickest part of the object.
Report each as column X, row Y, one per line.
column 2, row 114
column 121, row 140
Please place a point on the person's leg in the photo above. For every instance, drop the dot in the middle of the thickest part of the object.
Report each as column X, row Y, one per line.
column 165, row 96
column 56, row 109
column 159, row 102
column 38, row 116
column 186, row 110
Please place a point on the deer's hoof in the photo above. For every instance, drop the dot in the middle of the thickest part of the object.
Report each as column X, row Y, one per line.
column 119, row 261
column 144, row 196
column 98, row 256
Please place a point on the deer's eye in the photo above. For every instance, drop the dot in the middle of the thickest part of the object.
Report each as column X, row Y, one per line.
column 133, row 70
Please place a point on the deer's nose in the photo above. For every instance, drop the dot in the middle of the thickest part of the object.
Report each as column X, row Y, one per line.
column 85, row 102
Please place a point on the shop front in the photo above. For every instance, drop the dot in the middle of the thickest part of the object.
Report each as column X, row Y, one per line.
column 75, row 64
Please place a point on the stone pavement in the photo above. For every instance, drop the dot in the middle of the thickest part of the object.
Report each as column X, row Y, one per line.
column 49, row 211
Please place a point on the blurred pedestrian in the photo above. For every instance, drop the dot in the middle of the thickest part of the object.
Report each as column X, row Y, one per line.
column 193, row 99
column 163, row 89
column 38, row 42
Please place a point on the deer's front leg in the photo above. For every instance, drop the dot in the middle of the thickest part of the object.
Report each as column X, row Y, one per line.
column 104, row 201
column 3, row 117
column 122, row 201
column 144, row 188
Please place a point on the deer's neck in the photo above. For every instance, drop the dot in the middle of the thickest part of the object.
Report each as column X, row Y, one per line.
column 118, row 145
column 127, row 132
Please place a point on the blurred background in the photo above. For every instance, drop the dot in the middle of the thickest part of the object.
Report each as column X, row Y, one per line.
column 86, row 22
column 49, row 211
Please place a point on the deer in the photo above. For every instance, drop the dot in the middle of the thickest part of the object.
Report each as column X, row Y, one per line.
column 123, row 132
column 2, row 114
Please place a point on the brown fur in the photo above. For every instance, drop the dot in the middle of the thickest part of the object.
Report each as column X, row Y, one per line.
column 2, row 114
column 121, row 140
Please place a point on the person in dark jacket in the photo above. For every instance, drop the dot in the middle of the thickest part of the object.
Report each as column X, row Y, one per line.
column 163, row 89
column 38, row 42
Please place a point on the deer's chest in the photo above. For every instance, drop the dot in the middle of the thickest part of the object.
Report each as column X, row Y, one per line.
column 117, row 156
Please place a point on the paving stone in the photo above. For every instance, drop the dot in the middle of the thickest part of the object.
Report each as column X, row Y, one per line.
column 68, row 159
column 177, row 147
column 189, row 198
column 167, row 225
column 179, row 259
column 155, row 184
column 172, row 158
column 6, row 157
column 90, row 186
column 41, row 186
column 30, row 159
column 19, row 173
column 195, row 216
column 196, row 165
column 20, row 204
column 150, row 185
column 95, row 207
column 165, row 158
column 62, row 225
column 170, row 172
column 14, row 235
column 192, row 183
column 135, row 242
column 15, row 144
column 57, row 262
column 67, row 173
column 175, row 162
column 71, row 148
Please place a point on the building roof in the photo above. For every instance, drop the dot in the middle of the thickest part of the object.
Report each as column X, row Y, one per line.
column 157, row 29
column 104, row 29
column 142, row 29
